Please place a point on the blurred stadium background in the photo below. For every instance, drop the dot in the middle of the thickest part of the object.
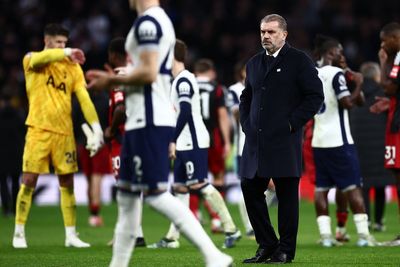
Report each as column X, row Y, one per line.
column 225, row 31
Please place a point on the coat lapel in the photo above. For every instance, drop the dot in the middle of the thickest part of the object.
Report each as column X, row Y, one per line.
column 278, row 59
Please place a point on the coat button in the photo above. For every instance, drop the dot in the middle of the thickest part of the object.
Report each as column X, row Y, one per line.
column 263, row 88
column 261, row 108
column 260, row 130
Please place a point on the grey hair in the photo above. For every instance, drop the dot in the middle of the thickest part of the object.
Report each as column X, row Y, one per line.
column 370, row 70
column 275, row 17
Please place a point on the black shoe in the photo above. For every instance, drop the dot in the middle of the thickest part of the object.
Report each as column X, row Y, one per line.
column 262, row 255
column 140, row 242
column 279, row 258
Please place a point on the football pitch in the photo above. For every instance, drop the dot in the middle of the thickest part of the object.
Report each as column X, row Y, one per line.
column 45, row 236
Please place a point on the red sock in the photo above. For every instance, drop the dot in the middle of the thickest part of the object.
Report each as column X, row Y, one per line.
column 94, row 209
column 341, row 217
column 194, row 203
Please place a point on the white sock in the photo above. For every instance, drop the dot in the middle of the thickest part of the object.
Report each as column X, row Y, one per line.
column 19, row 229
column 129, row 219
column 139, row 232
column 324, row 225
column 186, row 222
column 173, row 232
column 70, row 230
column 361, row 222
column 243, row 214
column 217, row 203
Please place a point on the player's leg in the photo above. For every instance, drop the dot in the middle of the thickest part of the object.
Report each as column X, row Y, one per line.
column 35, row 161
column 182, row 194
column 348, row 180
column 168, row 205
column 101, row 166
column 189, row 226
column 196, row 173
column 14, row 189
column 245, row 217
column 64, row 159
column 23, row 206
column 68, row 210
column 323, row 218
column 216, row 165
column 380, row 202
column 367, row 202
column 360, row 217
column 217, row 203
column 170, row 240
column 5, row 195
column 242, row 207
column 129, row 219
column 341, row 217
column 323, row 183
column 115, row 152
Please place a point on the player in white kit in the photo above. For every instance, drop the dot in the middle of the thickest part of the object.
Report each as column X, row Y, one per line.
column 149, row 129
column 189, row 149
column 335, row 156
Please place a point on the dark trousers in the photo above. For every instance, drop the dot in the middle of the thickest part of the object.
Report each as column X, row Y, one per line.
column 287, row 192
column 8, row 199
column 380, row 202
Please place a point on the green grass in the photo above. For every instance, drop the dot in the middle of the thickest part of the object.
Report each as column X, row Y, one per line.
column 45, row 235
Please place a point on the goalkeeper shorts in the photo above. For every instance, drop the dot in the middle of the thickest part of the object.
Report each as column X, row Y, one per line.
column 43, row 147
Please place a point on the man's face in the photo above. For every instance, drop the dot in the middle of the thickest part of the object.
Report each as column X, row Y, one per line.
column 57, row 41
column 390, row 42
column 338, row 58
column 272, row 37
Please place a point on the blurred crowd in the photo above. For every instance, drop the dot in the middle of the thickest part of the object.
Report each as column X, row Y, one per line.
column 222, row 30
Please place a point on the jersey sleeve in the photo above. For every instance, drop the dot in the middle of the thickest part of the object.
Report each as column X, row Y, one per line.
column 37, row 59
column 340, row 86
column 88, row 109
column 184, row 89
column 185, row 92
column 232, row 100
column 219, row 97
column 148, row 32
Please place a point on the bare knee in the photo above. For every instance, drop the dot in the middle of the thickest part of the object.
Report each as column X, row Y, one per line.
column 30, row 179
column 66, row 180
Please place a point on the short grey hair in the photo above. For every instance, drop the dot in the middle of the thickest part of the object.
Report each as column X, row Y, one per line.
column 275, row 17
column 370, row 70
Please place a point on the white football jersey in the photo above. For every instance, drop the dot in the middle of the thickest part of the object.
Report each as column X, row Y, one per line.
column 331, row 123
column 194, row 133
column 235, row 91
column 150, row 104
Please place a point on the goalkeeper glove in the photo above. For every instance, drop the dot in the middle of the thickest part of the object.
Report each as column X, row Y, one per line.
column 94, row 137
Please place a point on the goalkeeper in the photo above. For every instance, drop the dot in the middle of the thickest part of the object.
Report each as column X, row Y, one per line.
column 51, row 77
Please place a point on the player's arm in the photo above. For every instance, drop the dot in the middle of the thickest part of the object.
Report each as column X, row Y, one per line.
column 342, row 92
column 185, row 92
column 356, row 96
column 40, row 59
column 145, row 73
column 94, row 135
column 117, row 119
column 390, row 86
column 223, row 120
